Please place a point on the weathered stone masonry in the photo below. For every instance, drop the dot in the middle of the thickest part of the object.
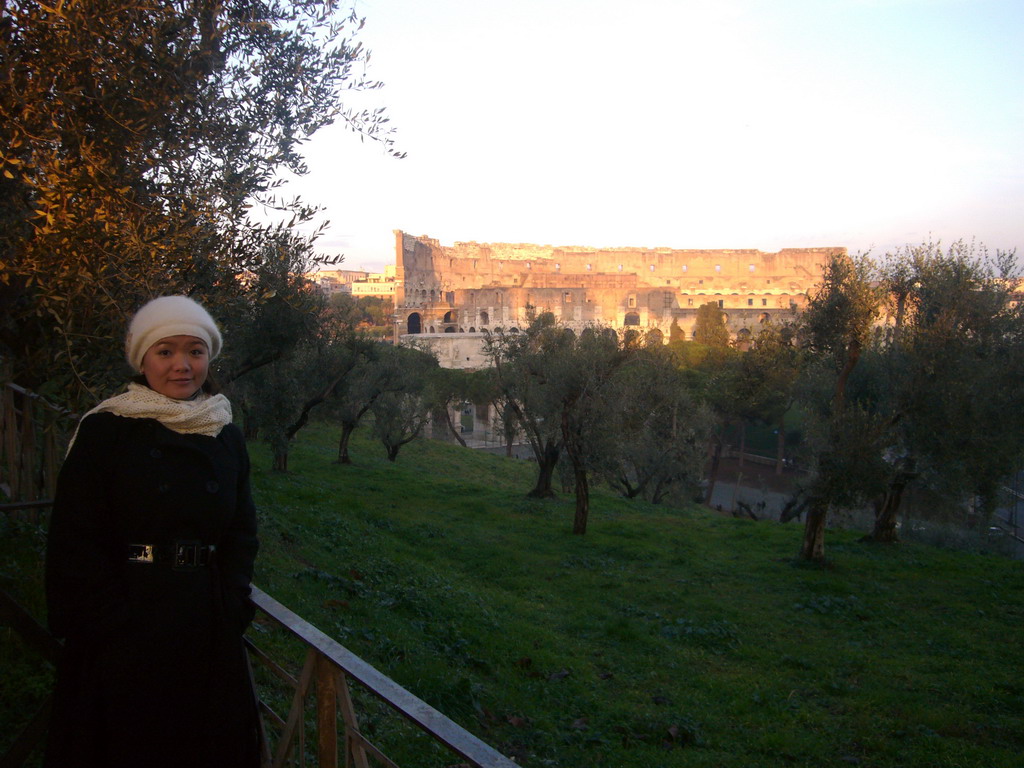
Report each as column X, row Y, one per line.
column 477, row 287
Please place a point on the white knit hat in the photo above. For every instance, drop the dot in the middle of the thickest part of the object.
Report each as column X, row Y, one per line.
column 169, row 316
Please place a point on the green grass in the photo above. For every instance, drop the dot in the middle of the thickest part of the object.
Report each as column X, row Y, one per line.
column 661, row 638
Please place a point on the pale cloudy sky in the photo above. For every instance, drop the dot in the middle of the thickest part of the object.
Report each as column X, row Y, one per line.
column 684, row 124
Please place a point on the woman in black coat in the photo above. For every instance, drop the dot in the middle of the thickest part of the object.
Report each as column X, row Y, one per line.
column 149, row 558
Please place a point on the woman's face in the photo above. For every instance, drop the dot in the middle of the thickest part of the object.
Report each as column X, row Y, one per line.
column 176, row 366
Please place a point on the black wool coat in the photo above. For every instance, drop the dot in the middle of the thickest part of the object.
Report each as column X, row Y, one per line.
column 154, row 671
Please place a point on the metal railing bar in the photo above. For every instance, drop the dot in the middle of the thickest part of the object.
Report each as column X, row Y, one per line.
column 414, row 709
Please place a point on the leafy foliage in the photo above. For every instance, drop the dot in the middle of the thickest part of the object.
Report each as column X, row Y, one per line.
column 135, row 140
column 709, row 327
column 948, row 373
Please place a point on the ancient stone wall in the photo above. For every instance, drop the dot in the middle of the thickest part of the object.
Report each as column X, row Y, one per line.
column 476, row 287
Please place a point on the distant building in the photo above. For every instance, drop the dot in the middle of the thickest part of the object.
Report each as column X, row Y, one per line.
column 474, row 288
column 333, row 281
column 376, row 283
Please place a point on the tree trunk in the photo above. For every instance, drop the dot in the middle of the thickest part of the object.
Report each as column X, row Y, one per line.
column 852, row 356
column 716, row 457
column 780, row 446
column 250, row 428
column 884, row 531
column 579, row 522
column 813, row 546
column 347, row 429
column 451, row 426
column 885, row 515
column 660, row 489
column 280, row 460
column 547, row 460
column 393, row 451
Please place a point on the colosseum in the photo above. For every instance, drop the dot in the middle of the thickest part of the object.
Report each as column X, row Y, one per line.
column 474, row 288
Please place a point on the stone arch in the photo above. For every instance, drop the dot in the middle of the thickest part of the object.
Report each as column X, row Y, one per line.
column 472, row 329
column 632, row 318
column 449, row 316
column 414, row 323
column 763, row 318
column 743, row 334
column 484, row 318
column 449, row 329
column 432, row 329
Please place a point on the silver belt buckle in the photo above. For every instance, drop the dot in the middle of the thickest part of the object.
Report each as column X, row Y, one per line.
column 141, row 553
column 187, row 555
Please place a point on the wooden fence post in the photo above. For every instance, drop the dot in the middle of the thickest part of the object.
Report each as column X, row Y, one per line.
column 326, row 713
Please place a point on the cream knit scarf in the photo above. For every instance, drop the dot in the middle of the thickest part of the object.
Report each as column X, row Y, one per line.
column 205, row 414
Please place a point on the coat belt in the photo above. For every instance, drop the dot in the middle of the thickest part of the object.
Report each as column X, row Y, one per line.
column 181, row 555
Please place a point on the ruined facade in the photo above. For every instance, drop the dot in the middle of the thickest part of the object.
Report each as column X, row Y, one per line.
column 472, row 288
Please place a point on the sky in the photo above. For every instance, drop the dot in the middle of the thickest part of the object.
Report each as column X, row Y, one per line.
column 869, row 124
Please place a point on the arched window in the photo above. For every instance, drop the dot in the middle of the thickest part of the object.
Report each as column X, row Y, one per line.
column 414, row 323
column 449, row 317
column 484, row 319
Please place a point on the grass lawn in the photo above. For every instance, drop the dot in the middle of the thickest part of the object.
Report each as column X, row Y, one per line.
column 660, row 638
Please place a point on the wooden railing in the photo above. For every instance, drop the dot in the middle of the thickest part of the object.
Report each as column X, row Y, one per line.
column 326, row 674
column 33, row 433
column 330, row 668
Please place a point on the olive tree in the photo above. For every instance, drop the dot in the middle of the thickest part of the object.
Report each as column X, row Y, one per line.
column 834, row 331
column 949, row 369
column 140, row 144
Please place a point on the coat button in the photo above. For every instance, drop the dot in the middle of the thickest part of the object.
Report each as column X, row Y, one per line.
column 212, row 486
column 156, row 453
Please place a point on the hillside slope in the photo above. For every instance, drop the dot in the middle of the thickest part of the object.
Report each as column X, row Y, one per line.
column 661, row 638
